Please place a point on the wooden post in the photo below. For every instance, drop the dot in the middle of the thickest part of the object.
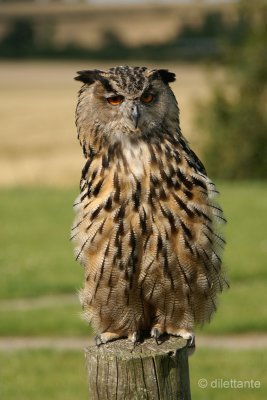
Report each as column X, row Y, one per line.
column 149, row 371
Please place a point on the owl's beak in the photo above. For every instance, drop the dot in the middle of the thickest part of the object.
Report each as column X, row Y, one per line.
column 135, row 115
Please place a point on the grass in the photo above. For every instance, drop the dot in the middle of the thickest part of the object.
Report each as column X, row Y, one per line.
column 36, row 255
column 246, row 211
column 43, row 374
column 58, row 375
column 242, row 310
column 242, row 307
column 53, row 321
column 37, row 260
column 227, row 365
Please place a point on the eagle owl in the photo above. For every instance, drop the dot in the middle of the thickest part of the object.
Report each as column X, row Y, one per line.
column 146, row 227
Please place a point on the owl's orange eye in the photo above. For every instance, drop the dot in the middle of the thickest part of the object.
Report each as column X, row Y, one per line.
column 147, row 98
column 115, row 100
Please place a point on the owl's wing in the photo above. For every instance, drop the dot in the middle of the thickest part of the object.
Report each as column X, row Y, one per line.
column 196, row 163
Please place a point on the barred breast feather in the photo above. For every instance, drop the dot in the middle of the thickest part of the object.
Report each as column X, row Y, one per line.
column 147, row 231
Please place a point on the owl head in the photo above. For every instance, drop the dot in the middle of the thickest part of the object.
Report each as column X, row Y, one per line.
column 125, row 102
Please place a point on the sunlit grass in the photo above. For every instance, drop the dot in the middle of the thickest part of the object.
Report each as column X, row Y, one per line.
column 241, row 309
column 36, row 255
column 245, row 208
column 60, row 375
column 42, row 375
column 55, row 320
column 227, row 365
column 37, row 259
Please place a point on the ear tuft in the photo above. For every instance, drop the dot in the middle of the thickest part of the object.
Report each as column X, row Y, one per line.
column 88, row 76
column 166, row 75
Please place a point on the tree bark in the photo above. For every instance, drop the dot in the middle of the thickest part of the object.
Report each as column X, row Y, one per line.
column 148, row 371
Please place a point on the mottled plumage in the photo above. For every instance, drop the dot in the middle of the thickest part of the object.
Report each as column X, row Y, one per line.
column 146, row 229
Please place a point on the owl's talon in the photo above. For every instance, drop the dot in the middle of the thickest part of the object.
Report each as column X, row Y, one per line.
column 155, row 333
column 98, row 340
column 189, row 336
column 191, row 341
column 183, row 333
column 106, row 337
column 135, row 338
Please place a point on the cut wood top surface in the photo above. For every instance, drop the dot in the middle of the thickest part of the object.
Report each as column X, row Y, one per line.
column 124, row 348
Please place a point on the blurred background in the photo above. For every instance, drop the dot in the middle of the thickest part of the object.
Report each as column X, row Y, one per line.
column 218, row 51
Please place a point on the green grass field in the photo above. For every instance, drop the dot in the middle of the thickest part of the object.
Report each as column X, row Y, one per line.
column 36, row 254
column 42, row 374
column 214, row 365
column 60, row 375
column 39, row 279
column 37, row 260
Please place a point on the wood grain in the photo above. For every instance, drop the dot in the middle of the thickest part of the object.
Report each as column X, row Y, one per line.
column 149, row 371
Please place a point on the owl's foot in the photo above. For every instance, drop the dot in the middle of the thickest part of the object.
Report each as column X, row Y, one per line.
column 134, row 338
column 106, row 337
column 184, row 333
column 156, row 332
